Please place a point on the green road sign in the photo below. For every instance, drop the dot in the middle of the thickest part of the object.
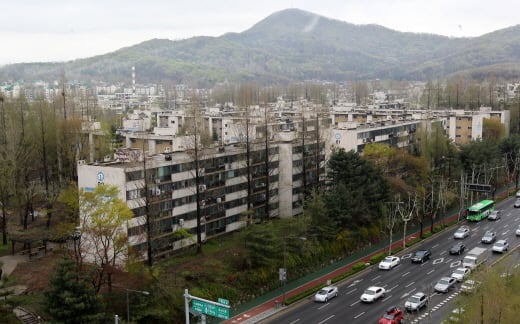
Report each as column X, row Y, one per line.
column 223, row 301
column 210, row 309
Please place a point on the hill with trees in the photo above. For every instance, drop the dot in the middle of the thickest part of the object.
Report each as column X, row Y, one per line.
column 294, row 45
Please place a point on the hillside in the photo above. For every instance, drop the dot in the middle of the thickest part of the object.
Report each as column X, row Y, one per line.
column 293, row 45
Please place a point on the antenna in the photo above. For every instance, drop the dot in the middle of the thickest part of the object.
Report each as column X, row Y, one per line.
column 133, row 80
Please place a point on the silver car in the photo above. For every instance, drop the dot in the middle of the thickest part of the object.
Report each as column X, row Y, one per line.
column 444, row 284
column 416, row 302
column 500, row 246
column 324, row 294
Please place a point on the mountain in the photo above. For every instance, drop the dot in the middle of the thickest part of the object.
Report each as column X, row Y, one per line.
column 294, row 45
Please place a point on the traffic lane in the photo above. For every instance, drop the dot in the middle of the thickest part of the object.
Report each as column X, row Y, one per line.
column 439, row 265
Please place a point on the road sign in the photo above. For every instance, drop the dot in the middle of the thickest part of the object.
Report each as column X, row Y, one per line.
column 223, row 301
column 210, row 309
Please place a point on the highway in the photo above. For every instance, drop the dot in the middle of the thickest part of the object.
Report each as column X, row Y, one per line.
column 405, row 279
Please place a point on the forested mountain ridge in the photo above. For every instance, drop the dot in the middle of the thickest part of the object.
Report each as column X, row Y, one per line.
column 294, row 45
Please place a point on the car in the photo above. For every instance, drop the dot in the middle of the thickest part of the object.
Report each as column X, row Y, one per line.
column 517, row 195
column 462, row 232
column 460, row 273
column 416, row 301
column 469, row 286
column 456, row 315
column 420, row 256
column 517, row 233
column 444, row 284
column 500, row 246
column 489, row 237
column 517, row 203
column 324, row 294
column 457, row 248
column 393, row 315
column 372, row 293
column 389, row 262
column 494, row 215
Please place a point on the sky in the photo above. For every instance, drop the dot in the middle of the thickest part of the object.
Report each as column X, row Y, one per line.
column 62, row 30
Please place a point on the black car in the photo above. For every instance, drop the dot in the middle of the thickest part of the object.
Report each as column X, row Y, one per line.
column 421, row 255
column 458, row 248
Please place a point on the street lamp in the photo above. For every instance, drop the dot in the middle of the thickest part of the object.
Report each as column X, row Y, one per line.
column 283, row 271
column 143, row 292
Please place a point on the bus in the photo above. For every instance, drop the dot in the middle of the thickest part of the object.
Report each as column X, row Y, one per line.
column 480, row 210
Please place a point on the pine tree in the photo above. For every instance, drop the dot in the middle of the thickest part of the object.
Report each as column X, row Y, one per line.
column 70, row 298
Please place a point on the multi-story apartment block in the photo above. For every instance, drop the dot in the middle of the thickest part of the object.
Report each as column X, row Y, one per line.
column 158, row 176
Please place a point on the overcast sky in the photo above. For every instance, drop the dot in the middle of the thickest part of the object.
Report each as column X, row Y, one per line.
column 59, row 30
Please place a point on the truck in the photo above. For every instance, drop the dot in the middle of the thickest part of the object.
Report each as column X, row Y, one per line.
column 475, row 257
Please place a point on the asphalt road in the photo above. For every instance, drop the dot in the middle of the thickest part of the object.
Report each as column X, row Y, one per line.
column 405, row 279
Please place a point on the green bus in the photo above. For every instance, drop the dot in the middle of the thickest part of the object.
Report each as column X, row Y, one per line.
column 480, row 210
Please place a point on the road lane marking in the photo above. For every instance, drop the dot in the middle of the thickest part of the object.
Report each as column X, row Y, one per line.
column 436, row 245
column 411, row 283
column 387, row 298
column 439, row 260
column 406, row 256
column 449, row 260
column 392, row 288
column 505, row 233
column 405, row 274
column 352, row 305
column 455, row 264
column 351, row 291
column 360, row 314
column 432, row 270
column 295, row 321
column 376, row 277
column 328, row 318
column 323, row 306
column 443, row 252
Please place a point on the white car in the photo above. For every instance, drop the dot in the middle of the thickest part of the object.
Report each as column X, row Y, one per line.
column 372, row 294
column 324, row 294
column 389, row 262
column 518, row 231
column 461, row 232
column 500, row 246
column 416, row 302
column 460, row 273
column 444, row 284
column 469, row 286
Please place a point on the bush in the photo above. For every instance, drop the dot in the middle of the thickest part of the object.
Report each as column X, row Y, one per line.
column 377, row 258
column 359, row 266
column 414, row 241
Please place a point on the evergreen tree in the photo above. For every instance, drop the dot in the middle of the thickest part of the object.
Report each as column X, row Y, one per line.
column 70, row 298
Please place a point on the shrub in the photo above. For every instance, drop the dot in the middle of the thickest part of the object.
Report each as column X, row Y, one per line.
column 377, row 258
column 358, row 266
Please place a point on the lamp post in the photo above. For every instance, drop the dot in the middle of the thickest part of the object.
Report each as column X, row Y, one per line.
column 283, row 271
column 143, row 292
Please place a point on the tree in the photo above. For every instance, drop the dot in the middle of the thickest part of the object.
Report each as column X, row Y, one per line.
column 103, row 221
column 70, row 299
column 493, row 129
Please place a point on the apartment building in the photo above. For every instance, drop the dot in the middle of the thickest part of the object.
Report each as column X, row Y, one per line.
column 156, row 173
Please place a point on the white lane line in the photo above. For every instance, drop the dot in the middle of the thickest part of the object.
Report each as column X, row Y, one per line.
column 505, row 233
column 405, row 274
column 295, row 321
column 351, row 291
column 436, row 245
column 392, row 288
column 387, row 298
column 432, row 270
column 358, row 315
column 376, row 277
column 328, row 318
column 323, row 306
column 352, row 305
column 411, row 283
column 443, row 252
